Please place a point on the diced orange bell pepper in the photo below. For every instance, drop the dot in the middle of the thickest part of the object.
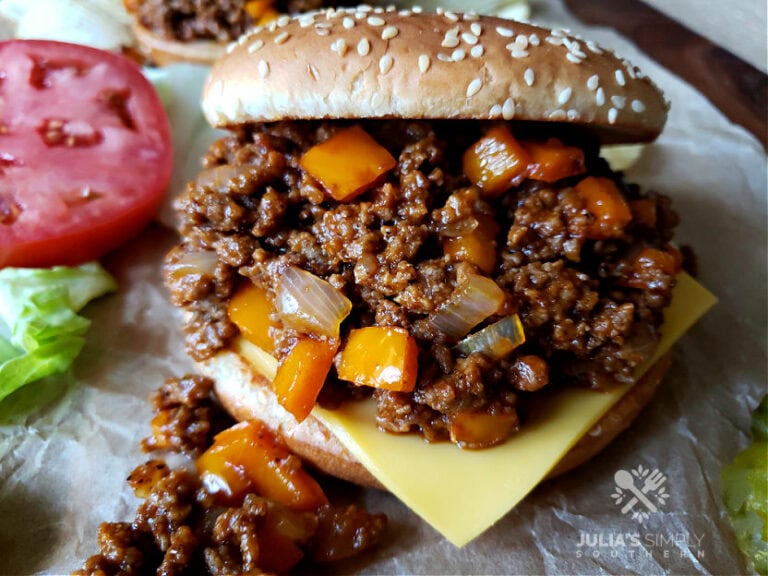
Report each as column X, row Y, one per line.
column 381, row 357
column 248, row 457
column 477, row 247
column 301, row 375
column 221, row 474
column 257, row 8
column 250, row 310
column 277, row 553
column 481, row 430
column 552, row 160
column 496, row 162
column 268, row 16
column 646, row 265
column 604, row 201
column 348, row 163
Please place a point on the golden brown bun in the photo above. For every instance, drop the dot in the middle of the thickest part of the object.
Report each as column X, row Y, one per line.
column 352, row 64
column 248, row 395
column 163, row 52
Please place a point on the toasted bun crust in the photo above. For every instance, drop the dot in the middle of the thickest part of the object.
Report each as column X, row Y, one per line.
column 164, row 52
column 248, row 395
column 350, row 64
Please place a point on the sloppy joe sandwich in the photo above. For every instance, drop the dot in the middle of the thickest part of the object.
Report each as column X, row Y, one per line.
column 409, row 245
column 199, row 31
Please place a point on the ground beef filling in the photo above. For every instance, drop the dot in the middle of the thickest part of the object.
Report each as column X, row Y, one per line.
column 590, row 314
column 221, row 20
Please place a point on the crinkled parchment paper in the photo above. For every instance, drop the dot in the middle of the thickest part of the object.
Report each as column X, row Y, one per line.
column 62, row 468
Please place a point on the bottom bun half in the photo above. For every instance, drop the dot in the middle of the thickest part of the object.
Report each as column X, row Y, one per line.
column 247, row 394
column 164, row 52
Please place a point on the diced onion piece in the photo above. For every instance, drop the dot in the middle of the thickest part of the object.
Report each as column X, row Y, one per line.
column 348, row 163
column 309, row 304
column 470, row 304
column 606, row 204
column 202, row 262
column 552, row 160
column 250, row 309
column 380, row 357
column 495, row 341
column 481, row 430
column 248, row 457
column 301, row 375
column 496, row 162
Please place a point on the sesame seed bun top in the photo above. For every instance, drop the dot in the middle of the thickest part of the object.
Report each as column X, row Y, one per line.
column 375, row 63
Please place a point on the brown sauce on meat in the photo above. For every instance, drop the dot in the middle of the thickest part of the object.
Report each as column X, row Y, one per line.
column 584, row 320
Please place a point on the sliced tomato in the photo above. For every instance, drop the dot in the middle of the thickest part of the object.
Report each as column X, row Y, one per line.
column 85, row 152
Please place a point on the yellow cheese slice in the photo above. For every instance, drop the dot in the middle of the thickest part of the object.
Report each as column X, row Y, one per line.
column 461, row 493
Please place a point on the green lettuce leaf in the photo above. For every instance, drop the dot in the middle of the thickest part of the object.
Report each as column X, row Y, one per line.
column 40, row 331
column 745, row 492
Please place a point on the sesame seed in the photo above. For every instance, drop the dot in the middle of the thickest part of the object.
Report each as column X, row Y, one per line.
column 263, row 68
column 477, row 51
column 231, row 46
column 579, row 54
column 593, row 82
column 521, row 41
column 612, row 114
column 572, row 115
column 282, row 37
column 417, row 9
column 564, row 96
column 322, row 31
column 558, row 114
column 504, row 32
column 444, row 57
column 378, row 10
column 458, row 55
column 516, row 53
column 638, row 106
column 562, row 33
column 529, row 76
column 619, row 102
column 620, row 80
column 363, row 47
column 312, row 69
column 594, row 48
column 364, row 8
column 305, row 21
column 573, row 58
column 534, row 40
column 474, row 87
column 348, row 23
column 600, row 97
column 449, row 42
column 451, row 16
column 496, row 111
column 340, row 46
column 424, row 63
column 508, row 109
column 476, row 28
column 470, row 39
column 375, row 21
column 554, row 40
column 405, row 13
column 385, row 63
column 326, row 25
column 471, row 16
column 389, row 32
column 256, row 46
column 283, row 21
